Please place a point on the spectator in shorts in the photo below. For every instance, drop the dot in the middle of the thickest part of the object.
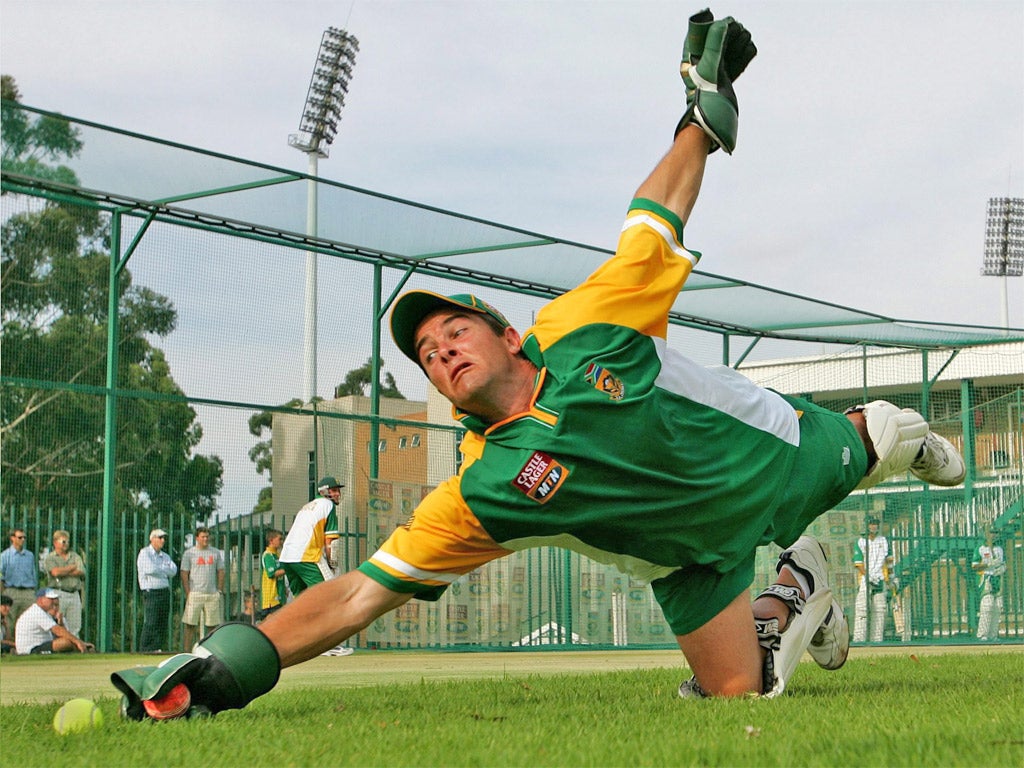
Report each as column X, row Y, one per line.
column 40, row 629
column 65, row 572
column 202, row 575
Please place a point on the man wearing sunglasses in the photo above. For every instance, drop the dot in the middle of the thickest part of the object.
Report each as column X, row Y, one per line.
column 19, row 574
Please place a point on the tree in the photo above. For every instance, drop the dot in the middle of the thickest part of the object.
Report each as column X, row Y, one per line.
column 53, row 303
column 357, row 382
column 29, row 146
column 262, row 454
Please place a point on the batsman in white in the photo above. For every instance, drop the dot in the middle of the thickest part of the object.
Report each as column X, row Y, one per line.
column 589, row 432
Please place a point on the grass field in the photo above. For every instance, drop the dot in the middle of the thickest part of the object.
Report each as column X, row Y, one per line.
column 913, row 707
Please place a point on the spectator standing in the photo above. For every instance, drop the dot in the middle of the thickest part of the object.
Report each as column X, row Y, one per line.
column 989, row 563
column 19, row 574
column 272, row 584
column 874, row 567
column 155, row 570
column 202, row 576
column 6, row 629
column 65, row 572
column 40, row 629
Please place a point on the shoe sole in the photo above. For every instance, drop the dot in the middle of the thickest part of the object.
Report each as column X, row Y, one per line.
column 844, row 649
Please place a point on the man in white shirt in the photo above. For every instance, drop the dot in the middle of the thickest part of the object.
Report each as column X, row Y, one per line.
column 989, row 563
column 40, row 629
column 874, row 567
column 155, row 569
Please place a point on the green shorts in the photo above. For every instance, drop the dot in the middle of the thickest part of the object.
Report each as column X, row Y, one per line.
column 830, row 461
column 303, row 575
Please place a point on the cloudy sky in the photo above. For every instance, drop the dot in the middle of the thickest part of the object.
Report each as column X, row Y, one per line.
column 872, row 133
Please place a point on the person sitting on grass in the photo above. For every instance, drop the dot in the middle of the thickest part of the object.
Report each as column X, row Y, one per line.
column 40, row 629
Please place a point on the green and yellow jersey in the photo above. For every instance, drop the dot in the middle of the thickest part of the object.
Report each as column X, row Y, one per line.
column 629, row 453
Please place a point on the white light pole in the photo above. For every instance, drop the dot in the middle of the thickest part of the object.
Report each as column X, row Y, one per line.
column 317, row 128
column 1004, row 244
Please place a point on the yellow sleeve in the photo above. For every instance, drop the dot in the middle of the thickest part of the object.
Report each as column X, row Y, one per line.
column 635, row 288
column 441, row 542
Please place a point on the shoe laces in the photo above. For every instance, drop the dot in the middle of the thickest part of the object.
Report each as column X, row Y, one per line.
column 930, row 458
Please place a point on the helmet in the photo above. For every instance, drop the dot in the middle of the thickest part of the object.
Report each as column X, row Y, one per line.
column 327, row 483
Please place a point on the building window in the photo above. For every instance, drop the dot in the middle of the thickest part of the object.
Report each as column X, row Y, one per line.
column 415, row 441
column 403, row 443
column 382, row 446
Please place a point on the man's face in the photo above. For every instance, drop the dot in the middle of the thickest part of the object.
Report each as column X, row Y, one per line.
column 61, row 544
column 18, row 540
column 464, row 358
column 158, row 542
column 334, row 494
column 49, row 604
column 203, row 540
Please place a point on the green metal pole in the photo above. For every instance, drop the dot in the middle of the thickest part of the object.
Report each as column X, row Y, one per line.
column 375, row 373
column 106, row 590
column 967, row 425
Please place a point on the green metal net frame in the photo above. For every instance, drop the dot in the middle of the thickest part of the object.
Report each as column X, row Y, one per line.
column 142, row 181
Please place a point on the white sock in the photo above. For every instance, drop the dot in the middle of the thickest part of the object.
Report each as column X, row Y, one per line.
column 801, row 580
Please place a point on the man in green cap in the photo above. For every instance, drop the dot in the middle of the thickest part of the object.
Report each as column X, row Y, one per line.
column 589, row 432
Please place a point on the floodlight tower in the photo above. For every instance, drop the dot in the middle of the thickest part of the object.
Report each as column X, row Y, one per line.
column 317, row 128
column 1004, row 243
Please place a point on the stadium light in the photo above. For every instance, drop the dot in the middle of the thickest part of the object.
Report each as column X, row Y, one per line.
column 326, row 95
column 1004, row 244
column 317, row 129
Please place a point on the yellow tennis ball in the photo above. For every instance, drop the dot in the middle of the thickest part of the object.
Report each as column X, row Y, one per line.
column 76, row 716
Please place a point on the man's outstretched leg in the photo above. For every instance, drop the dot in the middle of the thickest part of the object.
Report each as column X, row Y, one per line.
column 795, row 614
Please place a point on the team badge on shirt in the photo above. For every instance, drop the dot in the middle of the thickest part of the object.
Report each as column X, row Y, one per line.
column 540, row 477
column 605, row 381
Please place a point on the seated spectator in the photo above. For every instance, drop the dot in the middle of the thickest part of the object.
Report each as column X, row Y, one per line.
column 248, row 614
column 40, row 629
column 6, row 636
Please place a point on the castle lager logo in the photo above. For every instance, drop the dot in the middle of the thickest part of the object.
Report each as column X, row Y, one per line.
column 540, row 477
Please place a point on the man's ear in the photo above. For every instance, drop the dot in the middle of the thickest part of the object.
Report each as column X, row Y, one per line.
column 513, row 340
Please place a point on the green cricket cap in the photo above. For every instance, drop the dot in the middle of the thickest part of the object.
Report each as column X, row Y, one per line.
column 412, row 307
column 327, row 483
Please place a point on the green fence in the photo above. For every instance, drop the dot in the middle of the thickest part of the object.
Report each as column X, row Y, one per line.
column 549, row 597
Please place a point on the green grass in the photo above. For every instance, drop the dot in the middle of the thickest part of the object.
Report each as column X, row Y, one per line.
column 957, row 709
